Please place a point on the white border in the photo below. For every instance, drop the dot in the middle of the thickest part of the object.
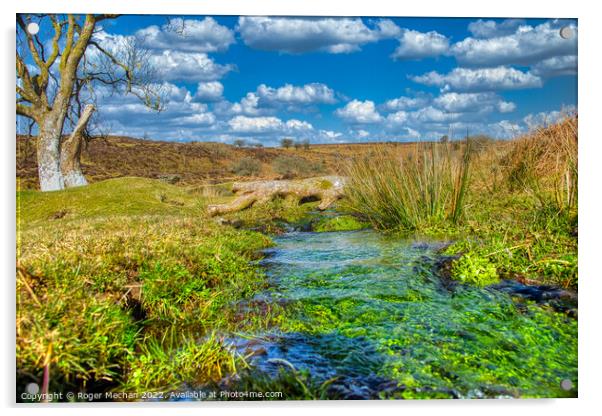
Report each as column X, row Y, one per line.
column 590, row 152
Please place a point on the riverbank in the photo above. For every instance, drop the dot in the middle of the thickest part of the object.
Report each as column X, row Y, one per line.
column 124, row 284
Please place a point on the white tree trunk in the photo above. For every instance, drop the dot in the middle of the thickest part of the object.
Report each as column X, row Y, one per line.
column 49, row 166
column 71, row 152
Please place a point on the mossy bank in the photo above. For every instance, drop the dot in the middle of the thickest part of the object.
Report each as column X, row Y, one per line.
column 125, row 283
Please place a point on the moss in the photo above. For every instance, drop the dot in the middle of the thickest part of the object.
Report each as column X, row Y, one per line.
column 325, row 184
column 273, row 216
column 122, row 196
column 339, row 223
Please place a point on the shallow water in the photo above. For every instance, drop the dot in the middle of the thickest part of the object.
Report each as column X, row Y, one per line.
column 368, row 317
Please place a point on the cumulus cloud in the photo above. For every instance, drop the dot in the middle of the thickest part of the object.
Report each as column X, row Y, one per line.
column 362, row 133
column 244, row 124
column 405, row 103
column 126, row 115
column 359, row 112
column 481, row 79
column 553, row 67
column 299, row 35
column 248, row 105
column 504, row 129
column 472, row 102
column 209, row 91
column 187, row 35
column 527, row 45
column 397, row 118
column 192, row 67
column 331, row 136
column 418, row 45
column 432, row 114
column 546, row 118
column 314, row 93
column 172, row 62
column 490, row 28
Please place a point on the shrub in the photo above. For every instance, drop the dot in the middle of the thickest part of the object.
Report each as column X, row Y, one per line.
column 286, row 143
column 295, row 166
column 247, row 166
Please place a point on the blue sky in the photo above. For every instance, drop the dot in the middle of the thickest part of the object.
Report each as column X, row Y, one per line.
column 331, row 80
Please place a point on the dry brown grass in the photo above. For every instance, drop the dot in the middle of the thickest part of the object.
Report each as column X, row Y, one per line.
column 544, row 163
column 194, row 163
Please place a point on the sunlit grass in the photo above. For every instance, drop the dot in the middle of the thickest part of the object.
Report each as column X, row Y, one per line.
column 412, row 191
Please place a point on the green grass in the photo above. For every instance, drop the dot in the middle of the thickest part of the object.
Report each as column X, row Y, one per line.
column 339, row 223
column 168, row 363
column 409, row 192
column 122, row 196
column 97, row 289
column 521, row 240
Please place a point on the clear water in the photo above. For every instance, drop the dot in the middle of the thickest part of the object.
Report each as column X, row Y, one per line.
column 369, row 313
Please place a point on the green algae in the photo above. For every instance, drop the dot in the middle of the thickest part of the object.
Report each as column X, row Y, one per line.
column 371, row 306
column 339, row 223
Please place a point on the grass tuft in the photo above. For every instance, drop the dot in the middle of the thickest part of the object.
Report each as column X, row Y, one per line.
column 412, row 191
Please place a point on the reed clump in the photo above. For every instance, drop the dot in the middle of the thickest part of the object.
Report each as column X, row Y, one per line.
column 410, row 191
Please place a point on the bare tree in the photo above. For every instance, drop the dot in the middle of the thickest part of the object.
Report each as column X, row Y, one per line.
column 56, row 82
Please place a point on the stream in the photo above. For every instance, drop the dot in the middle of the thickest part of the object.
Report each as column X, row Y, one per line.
column 368, row 317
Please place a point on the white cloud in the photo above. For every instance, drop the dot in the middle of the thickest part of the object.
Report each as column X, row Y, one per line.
column 490, row 28
column 431, row 114
column 182, row 116
column 362, row 133
column 255, row 124
column 298, row 125
column 418, row 45
column 244, row 124
column 473, row 102
column 546, row 118
column 506, row 106
column 209, row 91
column 170, row 64
column 299, row 35
column 314, row 93
column 397, row 118
column 527, row 45
column 504, row 129
column 248, row 105
column 388, row 29
column 359, row 112
column 187, row 35
column 331, row 136
column 188, row 66
column 552, row 67
column 405, row 103
column 195, row 119
column 481, row 79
